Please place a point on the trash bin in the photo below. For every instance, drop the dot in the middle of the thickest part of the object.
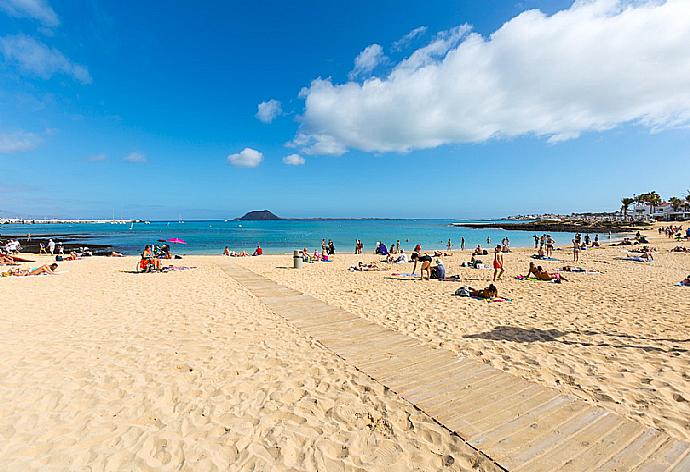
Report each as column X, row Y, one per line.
column 297, row 260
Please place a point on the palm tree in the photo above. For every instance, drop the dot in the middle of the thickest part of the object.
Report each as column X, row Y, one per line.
column 654, row 199
column 676, row 203
column 627, row 201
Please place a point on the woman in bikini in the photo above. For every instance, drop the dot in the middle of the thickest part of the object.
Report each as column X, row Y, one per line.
column 489, row 292
column 425, row 260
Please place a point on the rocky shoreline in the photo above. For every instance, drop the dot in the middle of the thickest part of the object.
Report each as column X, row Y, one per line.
column 573, row 226
column 69, row 241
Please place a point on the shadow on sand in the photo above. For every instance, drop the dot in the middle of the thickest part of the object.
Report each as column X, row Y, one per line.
column 523, row 335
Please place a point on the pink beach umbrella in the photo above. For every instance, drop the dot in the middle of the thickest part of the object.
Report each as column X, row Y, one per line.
column 177, row 241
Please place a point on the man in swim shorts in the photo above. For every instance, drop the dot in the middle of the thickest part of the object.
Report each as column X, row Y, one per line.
column 498, row 263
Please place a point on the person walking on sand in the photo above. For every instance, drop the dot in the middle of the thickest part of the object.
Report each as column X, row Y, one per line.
column 498, row 263
column 51, row 246
column 462, row 243
column 397, row 247
column 576, row 251
column 549, row 245
column 536, row 241
column 449, row 245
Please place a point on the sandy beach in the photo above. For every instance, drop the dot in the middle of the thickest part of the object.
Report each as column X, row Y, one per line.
column 104, row 369
column 111, row 370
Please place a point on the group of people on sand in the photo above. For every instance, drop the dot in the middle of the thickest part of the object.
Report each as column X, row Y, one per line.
column 257, row 252
column 675, row 231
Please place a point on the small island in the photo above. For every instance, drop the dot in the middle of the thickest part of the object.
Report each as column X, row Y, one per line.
column 259, row 215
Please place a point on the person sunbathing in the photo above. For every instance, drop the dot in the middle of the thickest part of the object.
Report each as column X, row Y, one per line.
column 679, row 249
column 362, row 267
column 72, row 257
column 44, row 269
column 540, row 274
column 478, row 251
column 685, row 282
column 7, row 260
column 489, row 292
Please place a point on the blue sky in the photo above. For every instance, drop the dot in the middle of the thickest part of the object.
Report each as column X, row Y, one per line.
column 145, row 110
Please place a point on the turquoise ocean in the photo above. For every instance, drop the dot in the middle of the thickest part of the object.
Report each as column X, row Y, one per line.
column 211, row 236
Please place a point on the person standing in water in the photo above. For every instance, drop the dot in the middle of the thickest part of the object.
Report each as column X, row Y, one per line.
column 449, row 245
column 462, row 243
column 498, row 263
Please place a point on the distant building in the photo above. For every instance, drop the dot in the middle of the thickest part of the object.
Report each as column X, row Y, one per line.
column 664, row 211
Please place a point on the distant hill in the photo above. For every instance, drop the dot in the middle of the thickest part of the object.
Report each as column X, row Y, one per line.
column 259, row 215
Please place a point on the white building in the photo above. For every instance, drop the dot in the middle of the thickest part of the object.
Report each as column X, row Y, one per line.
column 663, row 211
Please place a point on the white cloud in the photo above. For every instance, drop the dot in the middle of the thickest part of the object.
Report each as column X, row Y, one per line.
column 294, row 160
column 594, row 66
column 101, row 157
column 18, row 141
column 135, row 157
column 36, row 9
column 36, row 58
column 247, row 157
column 268, row 111
column 367, row 60
column 405, row 41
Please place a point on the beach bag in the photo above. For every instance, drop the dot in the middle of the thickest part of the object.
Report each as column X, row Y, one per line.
column 462, row 292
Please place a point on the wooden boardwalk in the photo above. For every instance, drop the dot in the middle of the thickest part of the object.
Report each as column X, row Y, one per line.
column 520, row 425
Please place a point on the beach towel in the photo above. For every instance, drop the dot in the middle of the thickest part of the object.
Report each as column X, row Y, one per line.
column 580, row 270
column 405, row 275
column 544, row 258
column 681, row 284
column 534, row 279
column 632, row 259
column 175, row 268
column 493, row 300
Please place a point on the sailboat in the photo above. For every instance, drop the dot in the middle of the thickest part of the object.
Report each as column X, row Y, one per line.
column 179, row 219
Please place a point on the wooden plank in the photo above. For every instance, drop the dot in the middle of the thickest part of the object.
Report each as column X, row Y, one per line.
column 603, row 448
column 479, row 407
column 560, row 434
column 520, row 405
column 636, row 452
column 467, row 375
column 516, row 435
column 665, row 458
column 454, row 402
column 580, row 447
